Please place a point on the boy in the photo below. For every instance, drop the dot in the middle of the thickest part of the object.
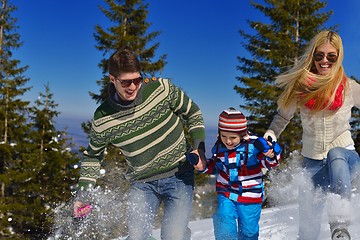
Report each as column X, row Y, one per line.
column 238, row 160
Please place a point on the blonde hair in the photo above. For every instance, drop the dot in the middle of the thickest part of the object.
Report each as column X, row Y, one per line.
column 301, row 83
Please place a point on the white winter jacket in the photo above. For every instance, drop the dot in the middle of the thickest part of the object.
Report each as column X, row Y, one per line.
column 323, row 130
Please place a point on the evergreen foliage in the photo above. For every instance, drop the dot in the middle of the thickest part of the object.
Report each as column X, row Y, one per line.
column 39, row 174
column 275, row 46
column 35, row 171
column 13, row 128
column 12, row 82
column 51, row 160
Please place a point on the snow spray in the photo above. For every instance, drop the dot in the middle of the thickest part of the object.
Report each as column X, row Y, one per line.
column 105, row 218
column 83, row 211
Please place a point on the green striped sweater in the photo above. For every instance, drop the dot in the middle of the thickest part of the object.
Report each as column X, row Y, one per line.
column 148, row 131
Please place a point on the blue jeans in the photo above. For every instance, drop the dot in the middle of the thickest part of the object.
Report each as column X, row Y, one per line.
column 175, row 192
column 333, row 174
column 234, row 220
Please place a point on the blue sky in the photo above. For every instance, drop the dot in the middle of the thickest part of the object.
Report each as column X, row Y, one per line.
column 201, row 39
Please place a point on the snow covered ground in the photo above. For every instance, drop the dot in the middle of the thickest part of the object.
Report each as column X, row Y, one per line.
column 275, row 224
column 281, row 222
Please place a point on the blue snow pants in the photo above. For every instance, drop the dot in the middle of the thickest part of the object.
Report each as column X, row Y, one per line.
column 236, row 221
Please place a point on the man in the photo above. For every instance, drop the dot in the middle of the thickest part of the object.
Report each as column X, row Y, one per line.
column 145, row 119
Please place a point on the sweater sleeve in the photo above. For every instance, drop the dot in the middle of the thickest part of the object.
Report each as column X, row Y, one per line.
column 282, row 119
column 90, row 162
column 190, row 115
column 355, row 92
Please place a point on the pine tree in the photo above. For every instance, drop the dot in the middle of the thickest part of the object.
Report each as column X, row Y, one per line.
column 50, row 162
column 12, row 82
column 13, row 124
column 53, row 149
column 275, row 47
column 41, row 173
column 32, row 179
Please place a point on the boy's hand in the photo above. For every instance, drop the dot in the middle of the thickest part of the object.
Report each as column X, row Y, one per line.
column 267, row 145
column 262, row 145
column 269, row 153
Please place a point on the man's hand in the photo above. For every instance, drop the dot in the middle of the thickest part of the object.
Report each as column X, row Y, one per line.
column 81, row 210
column 197, row 159
column 77, row 205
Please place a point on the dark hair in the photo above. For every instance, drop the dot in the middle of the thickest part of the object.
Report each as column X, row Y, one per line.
column 123, row 61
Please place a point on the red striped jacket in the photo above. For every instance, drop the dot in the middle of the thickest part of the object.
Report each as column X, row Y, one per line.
column 239, row 171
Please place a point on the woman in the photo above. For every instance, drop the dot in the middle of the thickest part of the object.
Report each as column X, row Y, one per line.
column 318, row 87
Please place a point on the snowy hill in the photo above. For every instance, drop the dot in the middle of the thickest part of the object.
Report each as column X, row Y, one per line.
column 281, row 222
column 275, row 224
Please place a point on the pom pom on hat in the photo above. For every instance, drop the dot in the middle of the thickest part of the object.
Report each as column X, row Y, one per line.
column 232, row 120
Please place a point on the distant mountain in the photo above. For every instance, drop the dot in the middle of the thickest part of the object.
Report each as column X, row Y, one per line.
column 73, row 128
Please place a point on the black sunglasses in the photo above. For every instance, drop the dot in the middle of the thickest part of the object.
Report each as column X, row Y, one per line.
column 331, row 57
column 127, row 82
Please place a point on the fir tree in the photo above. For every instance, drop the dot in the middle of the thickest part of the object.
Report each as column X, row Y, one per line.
column 12, row 82
column 13, row 128
column 275, row 47
column 31, row 178
column 51, row 164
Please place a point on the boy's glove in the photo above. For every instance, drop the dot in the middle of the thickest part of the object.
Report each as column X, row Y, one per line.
column 262, row 145
column 192, row 158
column 276, row 147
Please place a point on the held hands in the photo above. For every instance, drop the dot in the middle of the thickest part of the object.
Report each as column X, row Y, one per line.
column 197, row 159
column 270, row 133
column 192, row 158
column 269, row 147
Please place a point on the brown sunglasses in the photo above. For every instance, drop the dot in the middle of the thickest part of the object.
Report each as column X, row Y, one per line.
column 127, row 82
column 331, row 57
